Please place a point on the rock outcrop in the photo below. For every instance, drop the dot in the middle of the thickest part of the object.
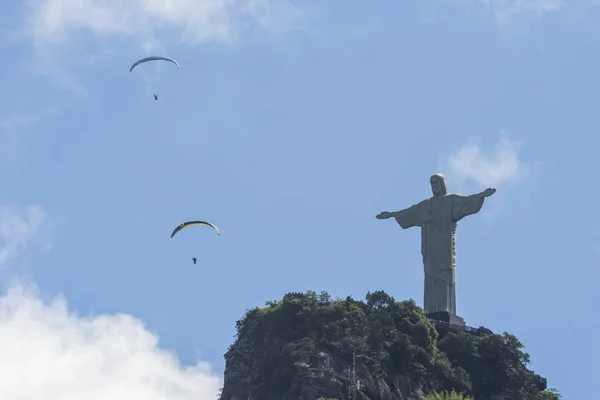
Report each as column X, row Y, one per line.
column 308, row 346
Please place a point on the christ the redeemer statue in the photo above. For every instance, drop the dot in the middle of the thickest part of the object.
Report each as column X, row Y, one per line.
column 438, row 217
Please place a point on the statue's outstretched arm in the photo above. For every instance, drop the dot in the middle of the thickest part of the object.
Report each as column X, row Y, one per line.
column 384, row 215
column 387, row 214
column 487, row 192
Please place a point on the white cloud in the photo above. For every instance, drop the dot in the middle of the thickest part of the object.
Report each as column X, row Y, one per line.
column 17, row 231
column 48, row 353
column 57, row 28
column 472, row 168
column 491, row 169
column 55, row 20
column 195, row 21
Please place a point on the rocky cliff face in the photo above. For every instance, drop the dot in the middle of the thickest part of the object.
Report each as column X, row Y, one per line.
column 323, row 374
column 308, row 346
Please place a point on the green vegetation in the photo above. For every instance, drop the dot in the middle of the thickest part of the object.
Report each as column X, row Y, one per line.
column 445, row 395
column 392, row 342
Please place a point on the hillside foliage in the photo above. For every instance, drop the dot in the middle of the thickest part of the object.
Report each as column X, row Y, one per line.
column 388, row 338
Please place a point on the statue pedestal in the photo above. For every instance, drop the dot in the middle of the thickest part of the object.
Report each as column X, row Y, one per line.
column 447, row 317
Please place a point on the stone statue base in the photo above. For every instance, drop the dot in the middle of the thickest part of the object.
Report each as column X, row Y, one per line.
column 447, row 317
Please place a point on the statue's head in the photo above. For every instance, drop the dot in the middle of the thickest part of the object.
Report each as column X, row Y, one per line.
column 438, row 185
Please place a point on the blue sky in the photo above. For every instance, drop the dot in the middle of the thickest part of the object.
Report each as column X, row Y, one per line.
column 289, row 126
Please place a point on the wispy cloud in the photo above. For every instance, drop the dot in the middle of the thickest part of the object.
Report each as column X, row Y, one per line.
column 471, row 168
column 194, row 21
column 150, row 25
column 47, row 352
column 511, row 12
column 489, row 168
column 19, row 122
column 13, row 127
column 19, row 230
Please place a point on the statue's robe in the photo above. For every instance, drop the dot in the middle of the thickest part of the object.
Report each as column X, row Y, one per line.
column 438, row 217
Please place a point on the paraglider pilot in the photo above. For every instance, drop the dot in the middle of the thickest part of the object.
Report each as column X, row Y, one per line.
column 194, row 260
column 155, row 96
